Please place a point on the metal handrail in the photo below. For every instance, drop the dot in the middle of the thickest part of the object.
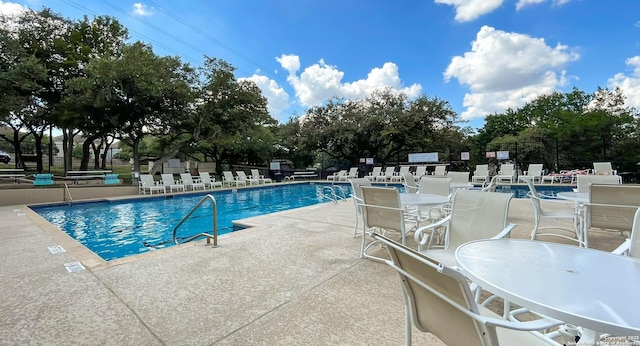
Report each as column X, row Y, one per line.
column 333, row 196
column 64, row 197
column 214, row 211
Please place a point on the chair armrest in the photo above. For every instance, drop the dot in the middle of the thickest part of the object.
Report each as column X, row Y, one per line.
column 506, row 232
column 623, row 249
column 421, row 238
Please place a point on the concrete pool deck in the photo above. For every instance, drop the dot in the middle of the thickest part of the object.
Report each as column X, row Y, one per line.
column 295, row 278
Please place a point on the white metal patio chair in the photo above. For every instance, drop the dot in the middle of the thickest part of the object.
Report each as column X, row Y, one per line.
column 631, row 246
column 474, row 215
column 435, row 186
column 438, row 300
column 611, row 208
column 584, row 181
column 358, row 200
column 410, row 185
column 549, row 208
column 383, row 212
column 440, row 171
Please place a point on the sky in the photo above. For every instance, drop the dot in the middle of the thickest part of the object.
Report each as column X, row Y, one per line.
column 481, row 56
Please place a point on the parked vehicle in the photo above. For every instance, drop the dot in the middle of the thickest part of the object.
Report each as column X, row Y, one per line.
column 4, row 157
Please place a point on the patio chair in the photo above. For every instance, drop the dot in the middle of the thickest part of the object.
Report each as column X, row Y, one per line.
column 631, row 246
column 242, row 176
column 550, row 208
column 383, row 212
column 389, row 172
column 420, row 172
column 338, row 175
column 376, row 172
column 261, row 178
column 410, row 185
column 481, row 174
column 603, row 168
column 438, row 300
column 358, row 201
column 612, row 208
column 399, row 176
column 458, row 177
column 533, row 172
column 229, row 179
column 440, row 171
column 507, row 172
column 170, row 183
column 474, row 215
column 584, row 181
column 147, row 183
column 207, row 180
column 352, row 174
column 435, row 186
column 189, row 183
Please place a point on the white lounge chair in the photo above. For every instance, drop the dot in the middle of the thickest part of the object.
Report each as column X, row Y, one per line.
column 242, row 176
column 507, row 172
column 481, row 174
column 261, row 179
column 399, row 176
column 338, row 175
column 207, row 180
column 229, row 179
column 147, row 183
column 474, row 215
column 603, row 168
column 440, row 171
column 170, row 183
column 438, row 300
column 420, row 172
column 533, row 172
column 189, row 183
column 352, row 174
column 389, row 172
column 376, row 172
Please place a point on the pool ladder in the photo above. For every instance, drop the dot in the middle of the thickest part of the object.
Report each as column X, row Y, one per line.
column 214, row 212
column 334, row 193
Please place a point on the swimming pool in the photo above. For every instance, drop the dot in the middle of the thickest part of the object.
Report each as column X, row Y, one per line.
column 116, row 229
column 520, row 191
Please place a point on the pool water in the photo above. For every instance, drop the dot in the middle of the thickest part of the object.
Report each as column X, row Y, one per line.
column 116, row 229
column 520, row 191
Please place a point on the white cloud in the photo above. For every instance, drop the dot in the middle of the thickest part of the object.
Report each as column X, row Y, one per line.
column 277, row 97
column 319, row 82
column 524, row 3
column 630, row 84
column 505, row 70
column 468, row 10
column 11, row 8
column 141, row 10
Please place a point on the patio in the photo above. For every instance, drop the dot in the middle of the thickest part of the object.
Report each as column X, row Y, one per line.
column 295, row 278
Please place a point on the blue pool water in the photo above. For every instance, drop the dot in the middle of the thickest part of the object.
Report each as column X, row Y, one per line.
column 122, row 228
column 116, row 229
column 520, row 191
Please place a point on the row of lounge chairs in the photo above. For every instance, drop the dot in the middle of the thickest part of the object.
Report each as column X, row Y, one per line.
column 204, row 181
column 535, row 173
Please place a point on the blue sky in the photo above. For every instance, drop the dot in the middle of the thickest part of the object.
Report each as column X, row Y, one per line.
column 482, row 56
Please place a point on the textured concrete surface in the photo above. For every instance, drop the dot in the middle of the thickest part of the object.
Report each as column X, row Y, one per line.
column 293, row 279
